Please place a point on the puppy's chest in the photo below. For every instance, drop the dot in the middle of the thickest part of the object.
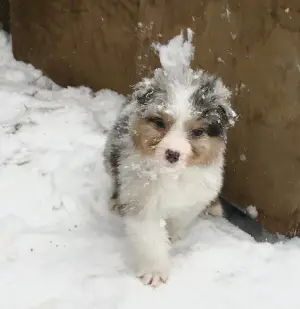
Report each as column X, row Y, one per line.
column 168, row 192
column 192, row 188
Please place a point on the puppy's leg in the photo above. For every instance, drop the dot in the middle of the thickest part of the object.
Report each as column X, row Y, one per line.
column 151, row 246
column 215, row 209
column 177, row 225
column 114, row 202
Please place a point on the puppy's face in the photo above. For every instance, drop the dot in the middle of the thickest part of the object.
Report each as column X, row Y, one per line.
column 181, row 124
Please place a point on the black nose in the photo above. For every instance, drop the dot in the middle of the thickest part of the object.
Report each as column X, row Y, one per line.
column 172, row 156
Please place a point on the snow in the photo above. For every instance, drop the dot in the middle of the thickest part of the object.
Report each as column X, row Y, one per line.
column 252, row 211
column 176, row 55
column 60, row 248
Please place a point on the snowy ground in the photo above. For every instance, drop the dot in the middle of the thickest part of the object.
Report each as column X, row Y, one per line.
column 59, row 246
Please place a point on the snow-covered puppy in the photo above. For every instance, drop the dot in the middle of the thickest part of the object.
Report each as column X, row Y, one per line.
column 166, row 155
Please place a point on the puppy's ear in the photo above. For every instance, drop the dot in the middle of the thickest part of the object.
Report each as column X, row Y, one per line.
column 213, row 97
column 227, row 114
column 144, row 97
column 145, row 90
column 222, row 98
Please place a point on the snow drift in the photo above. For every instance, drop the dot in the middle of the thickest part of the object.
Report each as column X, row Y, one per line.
column 59, row 246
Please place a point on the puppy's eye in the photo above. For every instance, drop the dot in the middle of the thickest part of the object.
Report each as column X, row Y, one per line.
column 197, row 132
column 158, row 122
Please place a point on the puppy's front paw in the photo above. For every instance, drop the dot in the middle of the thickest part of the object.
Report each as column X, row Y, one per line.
column 154, row 273
column 175, row 234
column 154, row 277
column 215, row 209
column 174, row 237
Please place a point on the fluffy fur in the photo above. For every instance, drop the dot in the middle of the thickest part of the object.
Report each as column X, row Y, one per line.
column 166, row 155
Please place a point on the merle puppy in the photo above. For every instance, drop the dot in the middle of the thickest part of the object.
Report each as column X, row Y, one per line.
column 166, row 156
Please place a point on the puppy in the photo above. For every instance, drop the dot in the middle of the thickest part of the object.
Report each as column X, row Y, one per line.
column 165, row 154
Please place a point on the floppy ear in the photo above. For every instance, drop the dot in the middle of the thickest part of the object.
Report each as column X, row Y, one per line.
column 143, row 91
column 145, row 96
column 215, row 97
column 222, row 97
column 228, row 115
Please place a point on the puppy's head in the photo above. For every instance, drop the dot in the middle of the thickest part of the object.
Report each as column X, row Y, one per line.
column 181, row 123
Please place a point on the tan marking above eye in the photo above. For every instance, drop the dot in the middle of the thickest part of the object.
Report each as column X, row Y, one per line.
column 194, row 124
column 167, row 120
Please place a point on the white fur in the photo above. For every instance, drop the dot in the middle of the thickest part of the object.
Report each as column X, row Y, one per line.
column 175, row 195
column 175, row 140
column 179, row 97
column 180, row 110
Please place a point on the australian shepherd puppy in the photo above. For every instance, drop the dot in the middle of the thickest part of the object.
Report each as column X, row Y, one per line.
column 166, row 156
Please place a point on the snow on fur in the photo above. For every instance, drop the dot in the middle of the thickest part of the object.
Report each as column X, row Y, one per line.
column 177, row 53
column 59, row 246
column 175, row 58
